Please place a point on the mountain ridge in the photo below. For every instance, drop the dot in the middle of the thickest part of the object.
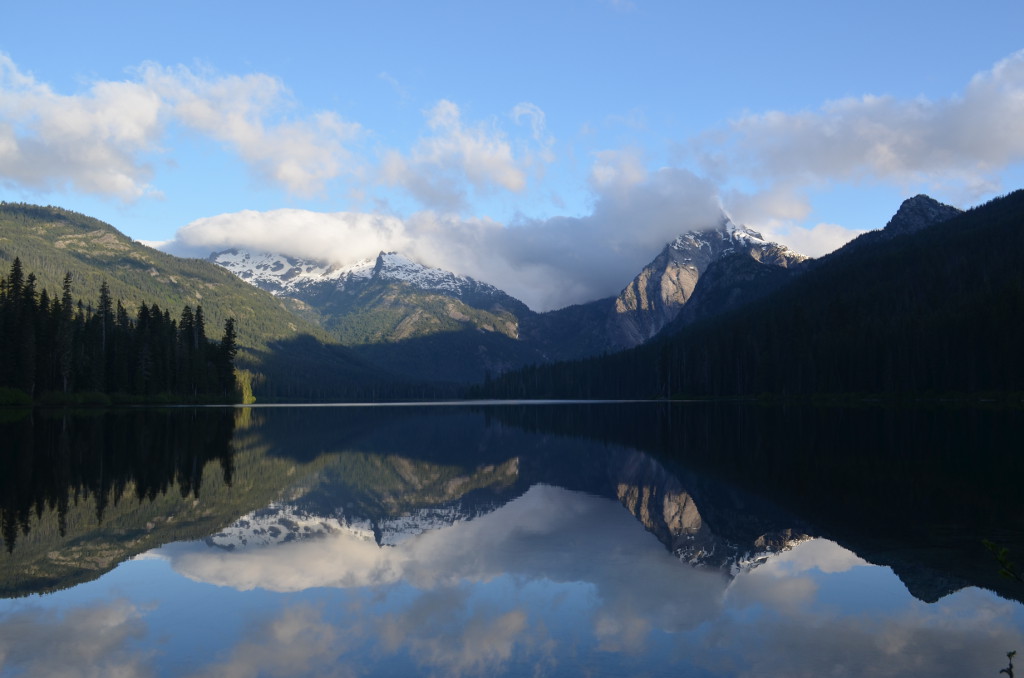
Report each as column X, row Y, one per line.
column 438, row 325
column 51, row 241
column 936, row 310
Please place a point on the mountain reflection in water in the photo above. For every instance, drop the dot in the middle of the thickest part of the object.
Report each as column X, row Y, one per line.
column 473, row 540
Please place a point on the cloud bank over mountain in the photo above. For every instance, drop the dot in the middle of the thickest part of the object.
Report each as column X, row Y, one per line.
column 428, row 193
column 546, row 263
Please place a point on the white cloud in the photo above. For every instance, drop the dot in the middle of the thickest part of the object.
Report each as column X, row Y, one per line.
column 816, row 241
column 92, row 142
column 298, row 642
column 243, row 111
column 442, row 632
column 546, row 263
column 100, row 141
column 437, row 168
column 341, row 237
column 465, row 605
column 402, row 92
column 536, row 159
column 964, row 140
column 617, row 172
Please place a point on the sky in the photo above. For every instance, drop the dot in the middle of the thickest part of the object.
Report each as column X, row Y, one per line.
column 551, row 149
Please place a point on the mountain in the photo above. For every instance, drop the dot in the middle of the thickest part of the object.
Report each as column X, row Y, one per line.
column 665, row 286
column 432, row 324
column 914, row 215
column 51, row 241
column 733, row 281
column 422, row 322
column 933, row 303
column 362, row 303
column 656, row 297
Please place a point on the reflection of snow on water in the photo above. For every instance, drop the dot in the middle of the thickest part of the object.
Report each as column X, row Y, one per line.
column 280, row 523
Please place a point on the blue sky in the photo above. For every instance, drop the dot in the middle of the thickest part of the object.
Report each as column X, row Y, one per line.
column 549, row 148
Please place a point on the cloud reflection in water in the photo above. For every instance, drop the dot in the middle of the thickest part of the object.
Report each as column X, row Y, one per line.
column 553, row 583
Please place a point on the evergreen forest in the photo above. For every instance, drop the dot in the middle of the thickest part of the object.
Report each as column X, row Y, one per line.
column 54, row 348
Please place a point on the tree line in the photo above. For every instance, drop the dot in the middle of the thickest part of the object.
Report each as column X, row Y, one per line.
column 938, row 312
column 59, row 345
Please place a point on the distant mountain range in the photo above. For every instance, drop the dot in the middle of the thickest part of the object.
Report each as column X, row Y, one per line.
column 719, row 311
column 432, row 324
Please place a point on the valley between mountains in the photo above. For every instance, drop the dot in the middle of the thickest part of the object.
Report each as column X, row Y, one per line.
column 931, row 303
column 434, row 325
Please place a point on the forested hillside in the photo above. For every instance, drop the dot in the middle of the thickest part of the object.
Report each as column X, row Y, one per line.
column 936, row 311
column 54, row 347
column 51, row 242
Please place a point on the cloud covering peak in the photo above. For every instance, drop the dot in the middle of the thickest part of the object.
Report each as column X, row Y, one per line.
column 547, row 263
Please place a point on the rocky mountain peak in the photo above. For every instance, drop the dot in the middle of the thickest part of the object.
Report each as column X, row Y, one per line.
column 917, row 213
column 655, row 297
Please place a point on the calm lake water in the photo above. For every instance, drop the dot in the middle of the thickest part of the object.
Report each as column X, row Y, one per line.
column 604, row 539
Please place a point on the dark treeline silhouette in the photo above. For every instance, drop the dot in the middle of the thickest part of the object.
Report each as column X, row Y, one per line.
column 52, row 463
column 59, row 345
column 938, row 311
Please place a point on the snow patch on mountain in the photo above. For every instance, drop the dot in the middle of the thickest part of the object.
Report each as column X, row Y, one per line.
column 394, row 266
column 283, row 275
column 726, row 239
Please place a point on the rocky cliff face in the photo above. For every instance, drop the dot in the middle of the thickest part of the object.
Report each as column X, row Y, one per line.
column 656, row 296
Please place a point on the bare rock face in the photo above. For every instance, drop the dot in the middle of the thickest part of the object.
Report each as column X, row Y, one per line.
column 655, row 297
column 917, row 213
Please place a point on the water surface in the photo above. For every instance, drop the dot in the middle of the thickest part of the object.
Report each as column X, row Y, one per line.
column 643, row 539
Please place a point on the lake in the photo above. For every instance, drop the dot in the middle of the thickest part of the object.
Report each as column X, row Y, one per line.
column 511, row 539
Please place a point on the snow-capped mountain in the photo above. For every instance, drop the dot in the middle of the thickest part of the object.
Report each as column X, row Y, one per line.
column 464, row 329
column 654, row 298
column 290, row 276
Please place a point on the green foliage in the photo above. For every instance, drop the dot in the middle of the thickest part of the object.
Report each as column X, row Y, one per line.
column 392, row 312
column 52, row 242
column 65, row 353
